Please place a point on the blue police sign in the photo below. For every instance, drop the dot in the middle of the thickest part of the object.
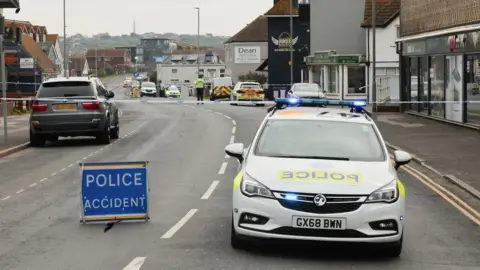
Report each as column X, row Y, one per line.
column 114, row 191
column 136, row 74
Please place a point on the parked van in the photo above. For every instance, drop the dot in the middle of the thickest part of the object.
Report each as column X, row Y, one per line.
column 221, row 88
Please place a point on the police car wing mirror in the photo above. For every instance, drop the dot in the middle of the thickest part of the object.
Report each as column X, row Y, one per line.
column 401, row 158
column 235, row 150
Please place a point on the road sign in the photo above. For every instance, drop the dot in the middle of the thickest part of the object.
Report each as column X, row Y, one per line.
column 114, row 191
column 136, row 74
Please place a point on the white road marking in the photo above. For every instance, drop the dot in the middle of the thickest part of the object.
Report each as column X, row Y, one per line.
column 135, row 264
column 101, row 149
column 179, row 224
column 223, row 168
column 219, row 113
column 227, row 156
column 234, row 123
column 71, row 165
column 20, row 191
column 90, row 155
column 228, row 117
column 234, row 129
column 210, row 190
column 43, row 179
column 53, row 174
column 6, row 198
column 84, row 158
column 232, row 139
column 63, row 169
column 32, row 185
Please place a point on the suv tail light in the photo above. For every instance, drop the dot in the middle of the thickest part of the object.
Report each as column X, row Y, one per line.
column 94, row 105
column 37, row 107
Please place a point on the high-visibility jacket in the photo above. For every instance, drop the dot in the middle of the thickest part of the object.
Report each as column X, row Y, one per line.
column 199, row 83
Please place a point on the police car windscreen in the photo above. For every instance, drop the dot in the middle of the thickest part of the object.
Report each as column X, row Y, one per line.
column 250, row 86
column 148, row 85
column 307, row 88
column 66, row 89
column 320, row 139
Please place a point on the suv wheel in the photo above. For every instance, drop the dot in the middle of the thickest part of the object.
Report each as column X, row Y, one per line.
column 115, row 132
column 104, row 136
column 36, row 140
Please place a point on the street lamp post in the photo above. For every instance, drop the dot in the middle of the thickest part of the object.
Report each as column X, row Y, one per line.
column 198, row 41
column 65, row 60
column 4, row 84
column 374, row 60
column 291, row 43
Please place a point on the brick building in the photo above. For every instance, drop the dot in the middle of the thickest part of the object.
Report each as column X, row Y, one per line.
column 115, row 59
column 439, row 52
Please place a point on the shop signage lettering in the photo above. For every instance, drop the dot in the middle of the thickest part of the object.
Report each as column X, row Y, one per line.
column 283, row 42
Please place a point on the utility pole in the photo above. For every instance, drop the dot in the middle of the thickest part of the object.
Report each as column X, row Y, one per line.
column 4, row 81
column 291, row 43
column 374, row 60
column 96, row 63
column 65, row 60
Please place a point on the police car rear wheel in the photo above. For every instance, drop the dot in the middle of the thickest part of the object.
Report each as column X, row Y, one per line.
column 235, row 241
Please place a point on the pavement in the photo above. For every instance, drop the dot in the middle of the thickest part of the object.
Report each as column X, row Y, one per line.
column 40, row 205
column 453, row 150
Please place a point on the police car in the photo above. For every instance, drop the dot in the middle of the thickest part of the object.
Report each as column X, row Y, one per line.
column 322, row 174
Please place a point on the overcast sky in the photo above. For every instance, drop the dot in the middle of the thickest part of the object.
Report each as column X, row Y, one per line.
column 219, row 17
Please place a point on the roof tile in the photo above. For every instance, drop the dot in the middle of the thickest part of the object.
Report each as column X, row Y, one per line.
column 387, row 10
column 256, row 31
column 36, row 52
column 52, row 38
column 282, row 7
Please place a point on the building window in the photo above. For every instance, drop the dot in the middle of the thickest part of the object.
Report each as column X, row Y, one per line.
column 356, row 80
column 391, row 71
column 200, row 71
column 398, row 31
column 454, row 88
column 333, row 77
column 222, row 70
column 413, row 84
column 423, row 85
column 437, row 85
column 174, row 71
column 108, row 58
column 473, row 88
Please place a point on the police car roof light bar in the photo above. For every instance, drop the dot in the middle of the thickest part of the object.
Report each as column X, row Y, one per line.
column 356, row 106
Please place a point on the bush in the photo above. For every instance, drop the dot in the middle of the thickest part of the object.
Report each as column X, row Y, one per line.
column 253, row 76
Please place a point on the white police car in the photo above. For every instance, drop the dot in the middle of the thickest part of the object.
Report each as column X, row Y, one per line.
column 319, row 174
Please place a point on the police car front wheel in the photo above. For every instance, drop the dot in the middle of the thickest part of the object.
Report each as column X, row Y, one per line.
column 235, row 241
column 393, row 250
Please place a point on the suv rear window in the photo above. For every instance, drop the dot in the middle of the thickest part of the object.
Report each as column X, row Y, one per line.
column 66, row 89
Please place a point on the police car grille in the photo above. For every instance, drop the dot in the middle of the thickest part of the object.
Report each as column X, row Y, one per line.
column 335, row 203
column 318, row 233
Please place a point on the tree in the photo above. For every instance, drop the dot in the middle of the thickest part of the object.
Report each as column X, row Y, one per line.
column 153, row 77
column 253, row 76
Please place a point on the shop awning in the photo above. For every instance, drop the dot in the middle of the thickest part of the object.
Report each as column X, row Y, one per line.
column 263, row 65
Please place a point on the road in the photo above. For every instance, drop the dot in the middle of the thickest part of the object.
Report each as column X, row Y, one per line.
column 40, row 205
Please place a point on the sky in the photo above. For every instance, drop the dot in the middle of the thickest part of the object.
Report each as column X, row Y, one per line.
column 88, row 17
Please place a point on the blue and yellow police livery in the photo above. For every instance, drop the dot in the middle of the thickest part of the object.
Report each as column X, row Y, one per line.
column 318, row 173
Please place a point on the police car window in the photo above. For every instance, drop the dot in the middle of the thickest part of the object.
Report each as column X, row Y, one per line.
column 320, row 139
column 66, row 89
column 250, row 86
column 307, row 88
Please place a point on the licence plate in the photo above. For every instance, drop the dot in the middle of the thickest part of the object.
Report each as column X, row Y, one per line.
column 66, row 106
column 320, row 223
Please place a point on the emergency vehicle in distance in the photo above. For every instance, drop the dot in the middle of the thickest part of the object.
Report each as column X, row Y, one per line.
column 220, row 88
column 247, row 91
column 321, row 174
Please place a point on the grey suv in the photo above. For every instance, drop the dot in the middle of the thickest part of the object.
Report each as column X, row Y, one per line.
column 77, row 106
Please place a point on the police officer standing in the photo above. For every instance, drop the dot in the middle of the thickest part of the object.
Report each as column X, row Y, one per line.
column 200, row 85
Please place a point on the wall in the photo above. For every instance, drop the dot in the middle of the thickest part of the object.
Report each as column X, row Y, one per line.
column 335, row 25
column 235, row 69
column 386, row 57
column 185, row 72
column 418, row 16
column 278, row 61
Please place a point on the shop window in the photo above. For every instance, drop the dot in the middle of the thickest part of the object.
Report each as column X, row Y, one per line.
column 413, row 84
column 380, row 71
column 391, row 71
column 473, row 89
column 333, row 76
column 437, row 85
column 454, row 88
column 423, row 85
column 356, row 80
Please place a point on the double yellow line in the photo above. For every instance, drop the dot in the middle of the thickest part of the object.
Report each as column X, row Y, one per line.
column 448, row 196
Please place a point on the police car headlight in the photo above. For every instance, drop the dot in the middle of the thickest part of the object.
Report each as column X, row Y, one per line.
column 389, row 193
column 253, row 188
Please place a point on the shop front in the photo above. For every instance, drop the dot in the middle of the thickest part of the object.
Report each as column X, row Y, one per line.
column 341, row 76
column 441, row 77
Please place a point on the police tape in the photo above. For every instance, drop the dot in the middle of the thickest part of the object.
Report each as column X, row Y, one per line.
column 192, row 101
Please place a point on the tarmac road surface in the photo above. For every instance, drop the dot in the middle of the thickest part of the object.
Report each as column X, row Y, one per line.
column 190, row 204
